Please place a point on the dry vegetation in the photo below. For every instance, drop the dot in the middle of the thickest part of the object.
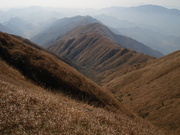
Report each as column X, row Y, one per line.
column 48, row 71
column 148, row 86
column 153, row 92
column 69, row 103
column 28, row 109
column 90, row 47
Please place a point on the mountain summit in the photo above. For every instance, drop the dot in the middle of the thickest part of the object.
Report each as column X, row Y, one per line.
column 59, row 28
column 94, row 45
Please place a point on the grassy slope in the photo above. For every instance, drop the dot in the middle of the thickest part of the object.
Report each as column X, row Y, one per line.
column 60, row 27
column 153, row 92
column 90, row 47
column 26, row 108
column 121, row 40
column 48, row 71
column 64, row 59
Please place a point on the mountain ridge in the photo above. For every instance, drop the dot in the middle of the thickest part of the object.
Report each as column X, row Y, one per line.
column 54, row 75
column 94, row 50
column 152, row 91
column 59, row 28
column 39, row 111
column 121, row 40
column 122, row 91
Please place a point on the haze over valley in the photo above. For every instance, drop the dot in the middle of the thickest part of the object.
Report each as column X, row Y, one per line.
column 107, row 67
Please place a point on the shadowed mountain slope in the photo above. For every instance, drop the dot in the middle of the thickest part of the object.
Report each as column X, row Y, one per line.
column 26, row 108
column 59, row 28
column 120, row 40
column 50, row 72
column 64, row 59
column 92, row 46
column 143, row 83
column 153, row 92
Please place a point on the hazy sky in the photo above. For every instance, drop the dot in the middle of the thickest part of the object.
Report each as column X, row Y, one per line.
column 86, row 3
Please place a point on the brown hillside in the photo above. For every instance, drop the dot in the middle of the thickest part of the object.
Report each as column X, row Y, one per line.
column 89, row 46
column 153, row 92
column 120, row 40
column 64, row 59
column 28, row 109
column 49, row 72
column 60, row 27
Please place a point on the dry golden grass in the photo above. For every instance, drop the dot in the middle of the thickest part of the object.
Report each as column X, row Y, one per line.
column 97, row 53
column 28, row 109
column 48, row 71
column 153, row 92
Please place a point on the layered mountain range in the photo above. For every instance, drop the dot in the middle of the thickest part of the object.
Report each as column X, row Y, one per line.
column 59, row 28
column 152, row 91
column 86, row 78
column 96, row 48
column 158, row 27
column 25, row 67
column 130, row 75
column 67, row 25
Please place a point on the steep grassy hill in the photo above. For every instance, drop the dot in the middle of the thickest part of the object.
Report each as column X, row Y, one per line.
column 64, row 59
column 60, row 27
column 120, row 40
column 153, row 92
column 26, row 108
column 50, row 72
column 92, row 46
column 141, row 82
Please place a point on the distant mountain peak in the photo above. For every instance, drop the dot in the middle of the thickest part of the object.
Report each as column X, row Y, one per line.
column 61, row 27
column 16, row 20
